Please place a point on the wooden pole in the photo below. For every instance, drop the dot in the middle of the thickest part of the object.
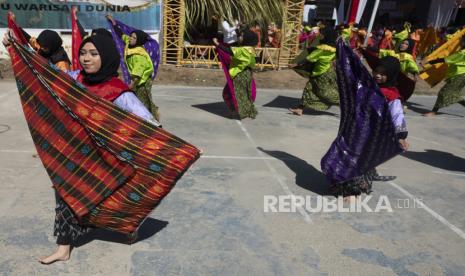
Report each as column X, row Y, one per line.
column 372, row 20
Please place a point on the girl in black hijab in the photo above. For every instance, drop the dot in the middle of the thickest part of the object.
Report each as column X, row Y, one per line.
column 140, row 65
column 320, row 92
column 49, row 45
column 407, row 46
column 243, row 60
column 99, row 59
column 141, row 38
column 109, row 58
column 248, row 38
column 387, row 71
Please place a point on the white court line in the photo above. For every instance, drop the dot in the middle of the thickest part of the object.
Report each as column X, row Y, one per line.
column 437, row 216
column 458, row 174
column 274, row 172
column 265, row 109
column 424, row 140
column 427, row 141
column 185, row 97
column 437, row 117
column 236, row 157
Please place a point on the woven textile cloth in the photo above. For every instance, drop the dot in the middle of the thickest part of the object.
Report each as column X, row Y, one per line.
column 111, row 167
column 229, row 94
column 151, row 46
column 366, row 135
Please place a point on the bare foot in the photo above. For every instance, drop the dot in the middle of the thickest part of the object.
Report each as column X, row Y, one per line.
column 296, row 111
column 62, row 254
column 430, row 114
column 350, row 199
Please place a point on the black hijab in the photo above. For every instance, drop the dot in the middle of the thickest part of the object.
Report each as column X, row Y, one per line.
column 101, row 31
column 109, row 56
column 389, row 66
column 328, row 36
column 249, row 38
column 51, row 40
column 142, row 37
column 411, row 44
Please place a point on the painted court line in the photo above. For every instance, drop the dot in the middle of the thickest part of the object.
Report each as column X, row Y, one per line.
column 444, row 221
column 184, row 97
column 437, row 117
column 274, row 172
column 424, row 140
column 458, row 174
column 236, row 157
column 264, row 109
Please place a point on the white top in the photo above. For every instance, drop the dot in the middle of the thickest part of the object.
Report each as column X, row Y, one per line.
column 129, row 102
column 229, row 32
column 397, row 115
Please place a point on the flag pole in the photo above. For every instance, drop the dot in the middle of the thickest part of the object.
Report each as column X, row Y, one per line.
column 372, row 20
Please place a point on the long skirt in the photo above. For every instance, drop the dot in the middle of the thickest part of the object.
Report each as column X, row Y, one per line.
column 356, row 186
column 144, row 93
column 243, row 90
column 67, row 228
column 321, row 92
column 452, row 92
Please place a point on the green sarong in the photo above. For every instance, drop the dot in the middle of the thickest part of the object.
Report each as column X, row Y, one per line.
column 144, row 93
column 243, row 89
column 321, row 92
column 452, row 92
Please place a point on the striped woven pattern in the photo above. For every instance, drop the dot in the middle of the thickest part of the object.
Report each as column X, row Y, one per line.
column 111, row 167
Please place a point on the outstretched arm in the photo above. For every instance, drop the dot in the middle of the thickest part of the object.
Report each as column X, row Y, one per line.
column 118, row 31
column 222, row 47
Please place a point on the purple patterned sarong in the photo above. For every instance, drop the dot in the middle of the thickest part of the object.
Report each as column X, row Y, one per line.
column 151, row 46
column 366, row 135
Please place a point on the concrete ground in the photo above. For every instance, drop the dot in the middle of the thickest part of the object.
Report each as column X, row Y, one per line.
column 213, row 222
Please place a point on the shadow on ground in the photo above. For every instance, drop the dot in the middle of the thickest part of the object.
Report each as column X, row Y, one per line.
column 286, row 102
column 149, row 228
column 439, row 159
column 418, row 108
column 306, row 176
column 218, row 108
